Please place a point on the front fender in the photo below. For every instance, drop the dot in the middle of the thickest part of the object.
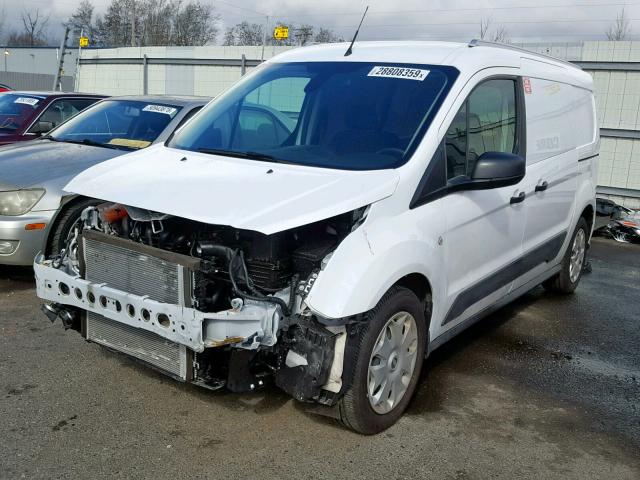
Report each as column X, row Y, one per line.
column 371, row 260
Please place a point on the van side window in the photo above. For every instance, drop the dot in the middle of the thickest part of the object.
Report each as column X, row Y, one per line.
column 486, row 122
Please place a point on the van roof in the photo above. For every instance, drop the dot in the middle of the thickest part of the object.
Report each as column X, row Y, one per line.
column 466, row 57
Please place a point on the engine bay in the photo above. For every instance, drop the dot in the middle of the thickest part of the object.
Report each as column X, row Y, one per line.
column 232, row 300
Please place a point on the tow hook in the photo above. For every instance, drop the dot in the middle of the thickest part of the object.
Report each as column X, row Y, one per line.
column 55, row 310
column 50, row 310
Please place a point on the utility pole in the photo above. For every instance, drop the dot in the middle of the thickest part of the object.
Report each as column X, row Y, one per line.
column 133, row 24
column 57, row 82
column 264, row 35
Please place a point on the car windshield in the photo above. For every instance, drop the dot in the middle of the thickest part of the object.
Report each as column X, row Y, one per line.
column 123, row 124
column 344, row 115
column 16, row 110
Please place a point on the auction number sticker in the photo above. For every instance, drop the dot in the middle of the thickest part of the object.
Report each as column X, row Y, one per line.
column 399, row 72
column 27, row 101
column 160, row 109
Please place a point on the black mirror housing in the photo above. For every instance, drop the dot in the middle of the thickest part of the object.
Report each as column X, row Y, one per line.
column 497, row 169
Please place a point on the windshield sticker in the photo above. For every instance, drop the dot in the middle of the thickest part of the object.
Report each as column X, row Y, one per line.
column 27, row 101
column 399, row 72
column 160, row 109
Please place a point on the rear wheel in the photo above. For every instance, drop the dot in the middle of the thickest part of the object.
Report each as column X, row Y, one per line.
column 388, row 364
column 573, row 262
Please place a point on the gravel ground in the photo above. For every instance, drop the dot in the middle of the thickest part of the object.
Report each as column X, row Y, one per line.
column 548, row 387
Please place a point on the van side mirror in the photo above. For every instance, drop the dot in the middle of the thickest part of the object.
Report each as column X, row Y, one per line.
column 495, row 170
column 41, row 127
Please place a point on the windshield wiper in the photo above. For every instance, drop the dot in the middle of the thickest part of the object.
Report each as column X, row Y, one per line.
column 91, row 143
column 248, row 155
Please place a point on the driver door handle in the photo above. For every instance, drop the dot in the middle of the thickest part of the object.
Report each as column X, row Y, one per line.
column 541, row 187
column 518, row 198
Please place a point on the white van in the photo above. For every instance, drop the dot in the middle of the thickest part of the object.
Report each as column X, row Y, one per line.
column 332, row 219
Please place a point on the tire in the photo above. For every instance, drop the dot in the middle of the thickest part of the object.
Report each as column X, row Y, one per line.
column 65, row 221
column 356, row 410
column 563, row 281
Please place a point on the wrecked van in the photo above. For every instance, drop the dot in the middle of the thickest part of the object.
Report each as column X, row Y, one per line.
column 332, row 219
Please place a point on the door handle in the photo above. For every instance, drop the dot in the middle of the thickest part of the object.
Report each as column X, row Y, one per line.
column 541, row 187
column 518, row 198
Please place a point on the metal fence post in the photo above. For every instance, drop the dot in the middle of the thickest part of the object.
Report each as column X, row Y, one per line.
column 243, row 65
column 145, row 75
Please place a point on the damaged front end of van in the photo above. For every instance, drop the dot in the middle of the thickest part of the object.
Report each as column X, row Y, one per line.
column 213, row 305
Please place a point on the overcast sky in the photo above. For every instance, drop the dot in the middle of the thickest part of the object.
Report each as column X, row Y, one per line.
column 539, row 20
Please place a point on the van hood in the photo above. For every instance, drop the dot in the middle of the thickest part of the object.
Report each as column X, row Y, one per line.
column 245, row 194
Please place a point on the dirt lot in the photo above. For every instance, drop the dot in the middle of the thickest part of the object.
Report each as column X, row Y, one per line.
column 546, row 388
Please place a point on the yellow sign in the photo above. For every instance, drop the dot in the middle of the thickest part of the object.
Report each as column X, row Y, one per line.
column 281, row 33
column 84, row 42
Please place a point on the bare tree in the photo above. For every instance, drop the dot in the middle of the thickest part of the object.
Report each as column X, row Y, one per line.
column 326, row 35
column 485, row 24
column 34, row 32
column 35, row 26
column 620, row 27
column 500, row 35
column 244, row 33
column 2, row 17
column 81, row 21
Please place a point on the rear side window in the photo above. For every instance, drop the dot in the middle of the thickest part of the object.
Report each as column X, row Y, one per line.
column 486, row 122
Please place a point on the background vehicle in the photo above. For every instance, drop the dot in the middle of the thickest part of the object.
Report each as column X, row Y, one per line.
column 27, row 115
column 423, row 186
column 618, row 222
column 4, row 88
column 33, row 205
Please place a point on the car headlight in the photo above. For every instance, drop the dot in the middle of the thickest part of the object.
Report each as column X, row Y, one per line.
column 19, row 202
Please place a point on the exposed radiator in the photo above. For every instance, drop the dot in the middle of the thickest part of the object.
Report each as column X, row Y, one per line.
column 138, row 269
column 141, row 344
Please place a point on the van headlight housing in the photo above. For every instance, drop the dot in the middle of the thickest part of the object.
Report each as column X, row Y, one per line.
column 19, row 202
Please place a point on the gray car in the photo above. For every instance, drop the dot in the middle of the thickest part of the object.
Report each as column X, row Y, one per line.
column 33, row 206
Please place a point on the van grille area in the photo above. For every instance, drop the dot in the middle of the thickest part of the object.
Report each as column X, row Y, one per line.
column 132, row 271
column 144, row 345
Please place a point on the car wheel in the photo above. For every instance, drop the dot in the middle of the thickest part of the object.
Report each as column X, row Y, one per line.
column 65, row 223
column 387, row 367
column 573, row 262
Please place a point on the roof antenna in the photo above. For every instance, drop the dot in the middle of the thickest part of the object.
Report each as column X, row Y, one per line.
column 350, row 49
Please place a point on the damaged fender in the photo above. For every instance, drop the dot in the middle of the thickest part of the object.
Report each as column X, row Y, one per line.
column 371, row 260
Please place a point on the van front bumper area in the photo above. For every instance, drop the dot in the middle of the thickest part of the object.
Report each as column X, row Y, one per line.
column 250, row 326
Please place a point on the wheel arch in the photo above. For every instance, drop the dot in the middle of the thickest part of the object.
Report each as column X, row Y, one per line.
column 66, row 202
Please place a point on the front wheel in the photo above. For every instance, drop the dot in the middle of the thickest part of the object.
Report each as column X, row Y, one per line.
column 573, row 262
column 388, row 364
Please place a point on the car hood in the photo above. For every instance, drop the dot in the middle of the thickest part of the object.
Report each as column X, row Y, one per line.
column 31, row 163
column 246, row 194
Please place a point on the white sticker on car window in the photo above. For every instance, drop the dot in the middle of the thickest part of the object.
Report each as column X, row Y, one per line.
column 399, row 72
column 160, row 109
column 27, row 101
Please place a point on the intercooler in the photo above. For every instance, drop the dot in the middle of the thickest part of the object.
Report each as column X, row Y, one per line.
column 140, row 270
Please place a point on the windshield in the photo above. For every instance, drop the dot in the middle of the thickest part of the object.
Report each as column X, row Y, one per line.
column 345, row 115
column 118, row 123
column 16, row 110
